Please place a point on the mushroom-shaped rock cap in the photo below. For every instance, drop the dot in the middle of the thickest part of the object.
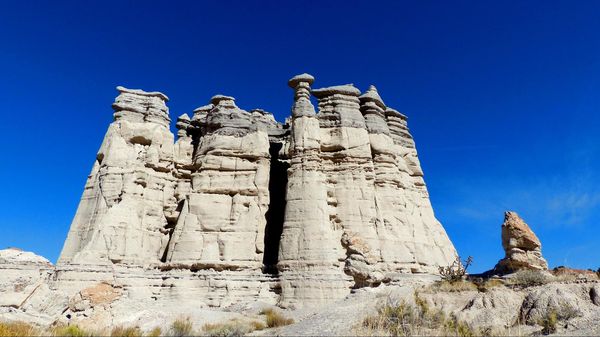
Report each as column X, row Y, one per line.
column 395, row 113
column 143, row 93
column 216, row 99
column 371, row 95
column 261, row 111
column 183, row 117
column 183, row 122
column 293, row 82
column 207, row 107
column 346, row 89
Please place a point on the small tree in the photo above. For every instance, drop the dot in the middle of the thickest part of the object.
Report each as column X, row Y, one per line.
column 456, row 271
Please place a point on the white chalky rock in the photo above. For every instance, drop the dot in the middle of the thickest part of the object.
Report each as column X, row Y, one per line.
column 239, row 209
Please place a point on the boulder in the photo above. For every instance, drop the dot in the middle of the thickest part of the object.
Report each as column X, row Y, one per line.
column 522, row 247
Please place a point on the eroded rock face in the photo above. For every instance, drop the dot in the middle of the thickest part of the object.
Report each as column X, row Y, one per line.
column 241, row 208
column 358, row 213
column 21, row 273
column 522, row 247
column 129, row 195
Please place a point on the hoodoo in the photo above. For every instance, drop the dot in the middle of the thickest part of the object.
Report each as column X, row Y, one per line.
column 352, row 212
column 240, row 208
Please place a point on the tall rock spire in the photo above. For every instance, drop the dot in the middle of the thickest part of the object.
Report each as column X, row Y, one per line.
column 121, row 215
column 309, row 247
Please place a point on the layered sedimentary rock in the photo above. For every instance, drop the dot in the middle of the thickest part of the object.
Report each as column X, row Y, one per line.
column 357, row 190
column 241, row 208
column 522, row 247
column 129, row 195
column 309, row 253
column 222, row 221
column 21, row 273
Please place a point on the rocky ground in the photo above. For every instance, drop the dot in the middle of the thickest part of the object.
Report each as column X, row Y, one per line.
column 561, row 302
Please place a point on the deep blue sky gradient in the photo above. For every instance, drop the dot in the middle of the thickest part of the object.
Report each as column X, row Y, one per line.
column 503, row 98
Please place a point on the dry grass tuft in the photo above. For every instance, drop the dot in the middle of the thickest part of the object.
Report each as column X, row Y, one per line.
column 120, row 331
column 451, row 287
column 13, row 329
column 529, row 278
column 156, row 332
column 485, row 285
column 399, row 318
column 275, row 319
column 549, row 322
column 181, row 327
column 256, row 325
column 71, row 331
column 231, row 329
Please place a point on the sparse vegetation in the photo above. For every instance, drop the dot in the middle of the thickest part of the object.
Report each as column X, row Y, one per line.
column 529, row 278
column 405, row 319
column 485, row 285
column 181, row 327
column 456, row 271
column 275, row 319
column 71, row 331
column 10, row 329
column 451, row 287
column 121, row 331
column 455, row 327
column 256, row 325
column 156, row 332
column 566, row 312
column 231, row 328
column 549, row 322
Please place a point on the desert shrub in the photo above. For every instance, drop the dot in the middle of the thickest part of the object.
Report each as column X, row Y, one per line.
column 456, row 271
column 10, row 329
column 399, row 318
column 529, row 278
column 451, row 287
column 566, row 311
column 181, row 327
column 229, row 329
column 549, row 322
column 71, row 331
column 455, row 327
column 485, row 285
column 156, row 332
column 256, row 325
column 275, row 319
column 121, row 331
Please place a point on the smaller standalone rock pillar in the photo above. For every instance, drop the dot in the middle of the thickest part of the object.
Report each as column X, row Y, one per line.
column 522, row 247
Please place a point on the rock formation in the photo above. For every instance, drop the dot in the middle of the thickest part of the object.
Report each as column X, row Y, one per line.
column 241, row 208
column 522, row 247
column 21, row 273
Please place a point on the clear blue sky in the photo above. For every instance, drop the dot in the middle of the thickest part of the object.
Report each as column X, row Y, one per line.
column 503, row 99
